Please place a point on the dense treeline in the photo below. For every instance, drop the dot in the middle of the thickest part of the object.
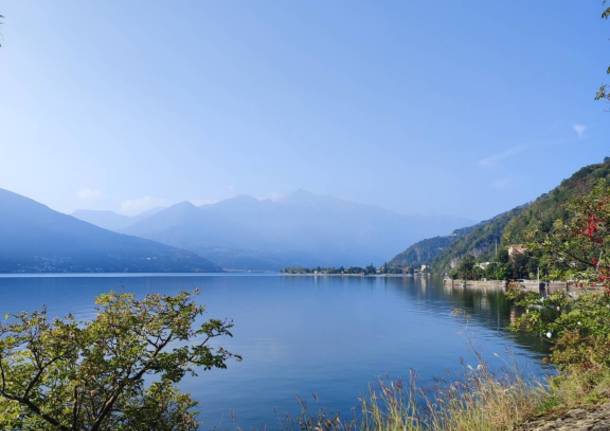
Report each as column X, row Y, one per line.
column 504, row 268
column 351, row 270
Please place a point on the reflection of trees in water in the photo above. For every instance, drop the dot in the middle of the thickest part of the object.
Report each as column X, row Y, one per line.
column 423, row 283
column 489, row 308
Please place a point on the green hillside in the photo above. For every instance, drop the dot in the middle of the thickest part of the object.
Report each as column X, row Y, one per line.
column 511, row 227
column 479, row 242
column 551, row 206
column 422, row 252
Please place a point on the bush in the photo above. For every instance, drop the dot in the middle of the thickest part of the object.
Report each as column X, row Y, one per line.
column 578, row 329
column 116, row 372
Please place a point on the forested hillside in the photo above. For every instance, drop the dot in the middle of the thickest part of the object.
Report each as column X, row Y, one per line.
column 551, row 206
column 483, row 240
column 422, row 252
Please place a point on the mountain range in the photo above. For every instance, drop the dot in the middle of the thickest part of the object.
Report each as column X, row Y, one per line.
column 483, row 239
column 245, row 233
column 35, row 238
column 302, row 228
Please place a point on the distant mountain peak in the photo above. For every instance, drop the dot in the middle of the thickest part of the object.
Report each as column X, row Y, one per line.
column 301, row 228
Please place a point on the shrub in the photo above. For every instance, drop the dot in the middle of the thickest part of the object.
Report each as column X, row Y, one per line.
column 116, row 372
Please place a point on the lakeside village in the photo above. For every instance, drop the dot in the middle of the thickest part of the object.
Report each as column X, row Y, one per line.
column 513, row 269
column 367, row 271
column 511, row 265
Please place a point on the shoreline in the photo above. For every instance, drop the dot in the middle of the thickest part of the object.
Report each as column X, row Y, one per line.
column 570, row 287
column 350, row 275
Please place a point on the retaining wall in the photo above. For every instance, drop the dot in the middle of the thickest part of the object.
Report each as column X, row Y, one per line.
column 572, row 288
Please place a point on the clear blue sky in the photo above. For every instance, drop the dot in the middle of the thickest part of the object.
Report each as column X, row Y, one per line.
column 455, row 107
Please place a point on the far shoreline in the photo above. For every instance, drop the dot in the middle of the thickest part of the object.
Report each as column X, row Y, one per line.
column 287, row 274
column 188, row 274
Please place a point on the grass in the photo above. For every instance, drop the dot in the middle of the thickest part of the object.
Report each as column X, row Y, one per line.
column 480, row 402
column 580, row 335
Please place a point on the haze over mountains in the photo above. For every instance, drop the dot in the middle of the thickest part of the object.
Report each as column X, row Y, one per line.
column 245, row 233
column 109, row 219
column 35, row 238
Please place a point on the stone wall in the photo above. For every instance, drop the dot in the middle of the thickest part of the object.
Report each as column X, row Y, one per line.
column 572, row 288
column 476, row 284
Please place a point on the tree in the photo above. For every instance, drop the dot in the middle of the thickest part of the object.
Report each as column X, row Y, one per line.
column 602, row 92
column 578, row 247
column 116, row 372
column 467, row 269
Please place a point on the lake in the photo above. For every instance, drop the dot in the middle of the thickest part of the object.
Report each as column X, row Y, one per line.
column 328, row 338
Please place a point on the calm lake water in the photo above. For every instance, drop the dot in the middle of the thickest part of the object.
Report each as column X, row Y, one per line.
column 328, row 338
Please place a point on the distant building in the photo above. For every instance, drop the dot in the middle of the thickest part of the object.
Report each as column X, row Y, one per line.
column 483, row 265
column 516, row 250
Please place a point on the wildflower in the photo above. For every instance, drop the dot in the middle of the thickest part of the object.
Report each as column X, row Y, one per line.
column 549, row 334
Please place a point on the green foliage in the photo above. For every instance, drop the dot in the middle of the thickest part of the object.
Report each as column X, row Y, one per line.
column 516, row 226
column 116, row 372
column 539, row 312
column 602, row 91
column 519, row 226
column 467, row 269
column 578, row 246
column 422, row 252
column 352, row 270
column 386, row 268
column 578, row 330
column 542, row 213
column 479, row 241
column 496, row 271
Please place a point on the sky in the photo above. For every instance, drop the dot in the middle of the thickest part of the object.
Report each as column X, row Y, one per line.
column 458, row 107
